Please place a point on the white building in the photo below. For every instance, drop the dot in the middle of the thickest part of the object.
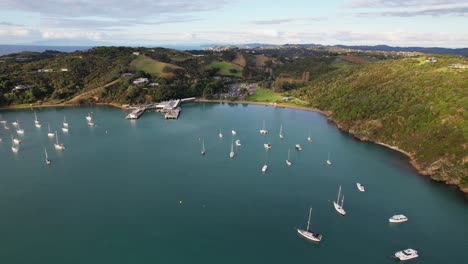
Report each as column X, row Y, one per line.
column 140, row 80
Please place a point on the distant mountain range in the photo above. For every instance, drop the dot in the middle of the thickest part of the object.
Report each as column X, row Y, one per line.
column 70, row 46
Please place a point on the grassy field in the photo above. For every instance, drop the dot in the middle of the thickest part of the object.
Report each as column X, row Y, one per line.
column 226, row 67
column 154, row 67
column 268, row 96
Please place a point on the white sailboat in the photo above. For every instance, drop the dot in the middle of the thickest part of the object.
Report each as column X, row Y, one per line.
column 267, row 146
column 36, row 122
column 308, row 234
column 360, row 187
column 50, row 134
column 309, row 139
column 19, row 130
column 203, row 148
column 89, row 118
column 398, row 219
column 15, row 140
column 65, row 123
column 220, row 135
column 281, row 132
column 264, row 167
column 288, row 161
column 14, row 148
column 57, row 145
column 263, row 131
column 338, row 207
column 328, row 159
column 233, row 132
column 15, row 123
column 47, row 160
column 238, row 143
column 231, row 154
column 298, row 147
column 91, row 123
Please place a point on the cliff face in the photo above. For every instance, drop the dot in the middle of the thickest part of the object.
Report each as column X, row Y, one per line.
column 416, row 108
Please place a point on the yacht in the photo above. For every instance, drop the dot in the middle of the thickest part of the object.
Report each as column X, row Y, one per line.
column 36, row 122
column 281, row 132
column 15, row 123
column 91, row 123
column 360, row 187
column 65, row 123
column 238, row 143
column 233, row 132
column 220, row 135
column 231, row 154
column 65, row 129
column 15, row 140
column 14, row 148
column 406, row 254
column 57, row 145
column 267, row 146
column 264, row 168
column 398, row 219
column 288, row 161
column 263, row 131
column 308, row 234
column 19, row 130
column 309, row 138
column 50, row 134
column 298, row 147
column 203, row 148
column 328, row 159
column 47, row 160
column 89, row 118
column 338, row 207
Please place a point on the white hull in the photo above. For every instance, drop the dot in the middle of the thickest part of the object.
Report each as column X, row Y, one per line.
column 65, row 124
column 339, row 209
column 233, row 132
column 309, row 139
column 51, row 135
column 406, row 254
column 220, row 135
column 89, row 118
column 329, row 162
column 288, row 162
column 310, row 236
column 15, row 124
column 238, row 143
column 267, row 146
column 281, row 136
column 47, row 162
column 398, row 219
column 91, row 124
column 231, row 154
column 15, row 149
column 20, row 131
column 264, row 168
column 360, row 187
column 16, row 141
column 59, row 147
column 263, row 132
column 37, row 125
column 298, row 147
column 65, row 130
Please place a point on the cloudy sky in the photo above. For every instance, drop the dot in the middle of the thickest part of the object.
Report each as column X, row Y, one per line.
column 189, row 22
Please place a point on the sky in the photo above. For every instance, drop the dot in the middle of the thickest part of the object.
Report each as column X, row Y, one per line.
column 424, row 23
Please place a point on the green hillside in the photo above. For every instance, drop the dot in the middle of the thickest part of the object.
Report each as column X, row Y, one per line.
column 153, row 67
column 418, row 106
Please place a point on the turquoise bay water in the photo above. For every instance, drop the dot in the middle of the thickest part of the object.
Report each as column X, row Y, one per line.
column 114, row 197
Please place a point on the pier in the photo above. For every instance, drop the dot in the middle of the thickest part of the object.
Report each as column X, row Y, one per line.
column 135, row 114
column 171, row 109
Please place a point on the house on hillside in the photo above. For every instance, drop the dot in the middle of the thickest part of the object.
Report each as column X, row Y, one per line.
column 431, row 59
column 64, row 70
column 136, row 53
column 22, row 87
column 140, row 80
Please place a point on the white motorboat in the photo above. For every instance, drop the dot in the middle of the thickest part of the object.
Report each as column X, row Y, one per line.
column 267, row 146
column 264, row 168
column 50, row 134
column 47, row 160
column 328, row 159
column 231, row 154
column 398, row 219
column 233, row 132
column 220, row 135
column 263, row 131
column 339, row 207
column 281, row 132
column 288, row 161
column 406, row 254
column 238, row 143
column 308, row 234
column 360, row 187
column 298, row 147
column 57, row 145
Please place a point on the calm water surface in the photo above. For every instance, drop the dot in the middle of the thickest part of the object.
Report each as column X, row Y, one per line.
column 140, row 192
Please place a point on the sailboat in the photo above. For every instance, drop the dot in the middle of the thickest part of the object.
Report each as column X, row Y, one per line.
column 36, row 122
column 15, row 140
column 50, row 134
column 14, row 148
column 288, row 161
column 238, row 143
column 220, row 135
column 338, row 207
column 57, row 145
column 5, row 126
column 89, row 118
column 65, row 123
column 233, row 132
column 47, row 160
column 263, row 131
column 281, row 132
column 203, row 148
column 15, row 123
column 328, row 159
column 264, row 168
column 231, row 154
column 19, row 130
column 316, row 237
column 309, row 139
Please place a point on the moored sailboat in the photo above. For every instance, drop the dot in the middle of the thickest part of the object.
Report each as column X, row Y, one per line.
column 328, row 159
column 308, row 234
column 281, row 132
column 203, row 148
column 57, row 145
column 263, row 131
column 47, row 160
column 231, row 154
column 288, row 161
column 339, row 207
column 50, row 134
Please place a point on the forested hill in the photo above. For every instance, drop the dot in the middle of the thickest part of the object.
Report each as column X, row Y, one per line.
column 416, row 105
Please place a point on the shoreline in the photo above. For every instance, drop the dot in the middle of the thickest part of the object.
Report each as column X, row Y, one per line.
column 411, row 158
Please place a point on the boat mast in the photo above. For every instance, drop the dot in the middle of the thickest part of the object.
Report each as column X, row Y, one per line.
column 232, row 145
column 56, row 137
column 339, row 191
column 203, row 145
column 289, row 152
column 342, row 202
column 263, row 124
column 308, row 222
